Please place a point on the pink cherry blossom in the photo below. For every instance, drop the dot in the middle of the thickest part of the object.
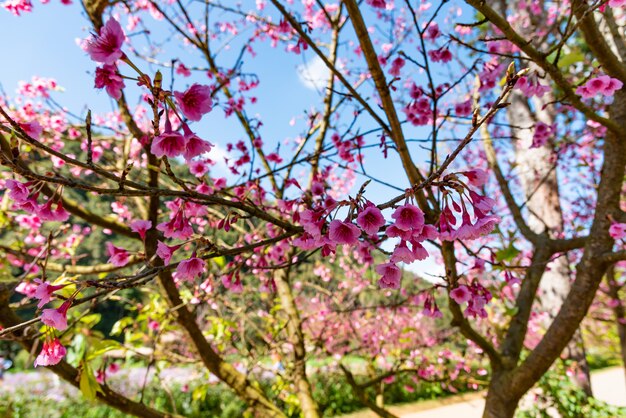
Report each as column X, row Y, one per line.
column 165, row 252
column 191, row 268
column 27, row 288
column 343, row 232
column 396, row 66
column 482, row 203
column 618, row 230
column 33, row 129
column 402, row 253
column 198, row 167
column 107, row 46
column 195, row 101
column 51, row 353
column 409, row 217
column 602, row 84
column 391, row 276
column 178, row 227
column 440, row 55
column 169, row 143
column 460, row 294
column 141, row 226
column 56, row 318
column 44, row 292
column 541, row 135
column 108, row 77
column 182, row 70
column 117, row 256
column 18, row 6
column 381, row 4
column 370, row 219
column 194, row 145
column 19, row 192
column 476, row 177
column 47, row 213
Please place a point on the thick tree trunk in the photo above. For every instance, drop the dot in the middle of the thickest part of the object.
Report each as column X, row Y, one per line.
column 538, row 175
column 500, row 403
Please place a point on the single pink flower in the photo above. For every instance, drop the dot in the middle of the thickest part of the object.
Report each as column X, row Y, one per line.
column 194, row 145
column 419, row 251
column 56, row 318
column 182, row 70
column 195, row 101
column 396, row 66
column 476, row 177
column 169, row 143
column 107, row 46
column 189, row 269
column 100, row 376
column 483, row 203
column 308, row 242
column 165, row 252
column 141, row 226
column 108, row 77
column 19, row 192
column 391, row 276
column 33, row 129
column 617, row 230
column 178, row 227
column 370, row 219
column 27, row 288
column 117, row 256
column 460, row 294
column 343, row 232
column 403, row 254
column 44, row 292
column 380, row 4
column 409, row 217
column 51, row 353
column 58, row 214
column 393, row 231
column 198, row 168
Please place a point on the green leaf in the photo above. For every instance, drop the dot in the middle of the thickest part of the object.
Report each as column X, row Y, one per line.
column 119, row 326
column 507, row 254
column 91, row 319
column 101, row 347
column 220, row 261
column 88, row 384
column 571, row 58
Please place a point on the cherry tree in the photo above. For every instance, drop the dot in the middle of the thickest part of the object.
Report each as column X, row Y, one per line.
column 204, row 245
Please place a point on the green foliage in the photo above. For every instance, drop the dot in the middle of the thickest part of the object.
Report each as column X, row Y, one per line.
column 557, row 392
column 333, row 393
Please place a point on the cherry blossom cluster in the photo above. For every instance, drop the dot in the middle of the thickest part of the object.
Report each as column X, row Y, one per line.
column 603, row 84
column 25, row 196
column 465, row 213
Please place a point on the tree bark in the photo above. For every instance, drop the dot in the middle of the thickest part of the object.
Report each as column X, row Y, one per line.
column 504, row 393
column 499, row 402
column 538, row 175
column 296, row 338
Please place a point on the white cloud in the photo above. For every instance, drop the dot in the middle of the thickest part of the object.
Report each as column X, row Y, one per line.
column 313, row 74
